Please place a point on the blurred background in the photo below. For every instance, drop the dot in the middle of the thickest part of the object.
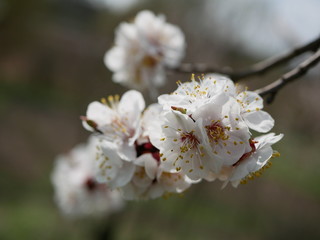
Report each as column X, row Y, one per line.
column 51, row 68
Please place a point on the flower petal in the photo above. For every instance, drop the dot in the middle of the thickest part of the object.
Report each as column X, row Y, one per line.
column 114, row 59
column 100, row 113
column 259, row 121
column 125, row 174
column 131, row 105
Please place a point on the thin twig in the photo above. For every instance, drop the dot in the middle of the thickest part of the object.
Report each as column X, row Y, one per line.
column 256, row 69
column 273, row 88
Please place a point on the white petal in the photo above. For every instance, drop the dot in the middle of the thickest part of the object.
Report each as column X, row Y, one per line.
column 125, row 174
column 156, row 191
column 267, row 139
column 149, row 163
column 127, row 152
column 251, row 100
column 131, row 105
column 114, row 59
column 259, row 121
column 252, row 164
column 100, row 113
column 127, row 36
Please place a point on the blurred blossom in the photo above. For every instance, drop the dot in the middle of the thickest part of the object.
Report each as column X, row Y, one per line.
column 76, row 191
column 142, row 51
column 115, row 5
column 264, row 27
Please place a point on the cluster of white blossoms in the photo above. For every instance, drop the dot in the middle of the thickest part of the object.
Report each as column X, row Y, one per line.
column 77, row 193
column 205, row 131
column 201, row 131
column 142, row 51
column 125, row 158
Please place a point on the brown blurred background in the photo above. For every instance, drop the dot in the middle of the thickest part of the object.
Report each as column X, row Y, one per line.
column 51, row 67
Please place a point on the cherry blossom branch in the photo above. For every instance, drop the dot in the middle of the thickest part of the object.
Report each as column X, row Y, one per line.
column 256, row 69
column 273, row 88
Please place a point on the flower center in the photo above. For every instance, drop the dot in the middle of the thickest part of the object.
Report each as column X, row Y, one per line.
column 216, row 131
column 189, row 141
column 149, row 61
column 90, row 184
column 148, row 148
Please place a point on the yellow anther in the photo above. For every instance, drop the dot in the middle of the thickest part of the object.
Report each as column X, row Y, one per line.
column 110, row 98
column 244, row 181
column 257, row 174
column 103, row 100
column 276, row 154
column 250, row 177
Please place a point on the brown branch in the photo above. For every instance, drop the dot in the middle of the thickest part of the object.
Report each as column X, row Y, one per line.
column 273, row 88
column 256, row 69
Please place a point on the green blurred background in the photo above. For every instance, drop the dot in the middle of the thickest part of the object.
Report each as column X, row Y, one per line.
column 50, row 69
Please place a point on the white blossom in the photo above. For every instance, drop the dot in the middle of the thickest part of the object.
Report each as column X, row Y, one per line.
column 141, row 175
column 150, row 181
column 213, row 136
column 76, row 191
column 143, row 49
column 206, row 127
column 118, row 121
column 119, row 125
column 192, row 95
column 253, row 162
